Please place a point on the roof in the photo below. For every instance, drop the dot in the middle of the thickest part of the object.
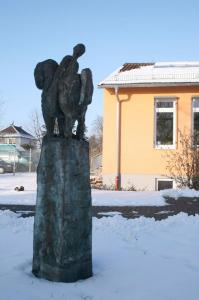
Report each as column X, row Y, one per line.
column 16, row 130
column 130, row 66
column 154, row 74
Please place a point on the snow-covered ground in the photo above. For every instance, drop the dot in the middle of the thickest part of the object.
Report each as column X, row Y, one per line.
column 99, row 197
column 8, row 182
column 137, row 259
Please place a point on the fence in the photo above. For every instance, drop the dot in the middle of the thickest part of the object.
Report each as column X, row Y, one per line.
column 13, row 159
column 16, row 159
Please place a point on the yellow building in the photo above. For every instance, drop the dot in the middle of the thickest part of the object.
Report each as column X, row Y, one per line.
column 144, row 106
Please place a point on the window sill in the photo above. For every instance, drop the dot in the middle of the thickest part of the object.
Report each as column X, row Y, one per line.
column 165, row 147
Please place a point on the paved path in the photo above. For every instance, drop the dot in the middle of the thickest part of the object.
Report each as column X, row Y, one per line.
column 183, row 204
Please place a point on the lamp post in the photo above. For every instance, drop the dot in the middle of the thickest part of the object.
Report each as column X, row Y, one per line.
column 30, row 159
column 14, row 162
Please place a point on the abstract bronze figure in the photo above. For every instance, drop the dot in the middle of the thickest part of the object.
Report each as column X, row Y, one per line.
column 62, row 248
column 66, row 94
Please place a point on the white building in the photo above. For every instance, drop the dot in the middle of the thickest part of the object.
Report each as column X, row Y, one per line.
column 16, row 135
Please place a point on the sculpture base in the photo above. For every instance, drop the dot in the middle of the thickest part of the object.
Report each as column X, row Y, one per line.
column 70, row 273
column 62, row 247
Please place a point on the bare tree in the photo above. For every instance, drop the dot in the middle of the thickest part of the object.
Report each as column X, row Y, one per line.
column 36, row 126
column 93, row 145
column 96, row 138
column 98, row 126
column 183, row 165
column 1, row 112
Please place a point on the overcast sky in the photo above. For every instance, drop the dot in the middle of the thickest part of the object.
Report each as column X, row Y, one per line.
column 114, row 32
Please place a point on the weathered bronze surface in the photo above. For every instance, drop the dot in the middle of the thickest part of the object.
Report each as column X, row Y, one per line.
column 66, row 94
column 62, row 247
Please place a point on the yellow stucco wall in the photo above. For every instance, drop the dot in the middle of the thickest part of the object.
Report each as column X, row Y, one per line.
column 138, row 154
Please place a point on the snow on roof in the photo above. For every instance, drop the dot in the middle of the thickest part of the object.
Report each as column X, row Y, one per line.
column 16, row 131
column 154, row 74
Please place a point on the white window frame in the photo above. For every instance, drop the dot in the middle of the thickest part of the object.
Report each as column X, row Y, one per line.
column 194, row 109
column 11, row 141
column 164, row 179
column 165, row 109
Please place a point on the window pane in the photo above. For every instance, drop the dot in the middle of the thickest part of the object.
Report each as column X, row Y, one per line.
column 164, row 184
column 164, row 104
column 195, row 103
column 196, row 128
column 164, row 128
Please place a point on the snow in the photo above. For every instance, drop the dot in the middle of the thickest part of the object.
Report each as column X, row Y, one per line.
column 123, row 198
column 8, row 182
column 137, row 259
column 160, row 72
column 176, row 193
column 174, row 64
column 109, row 213
column 99, row 197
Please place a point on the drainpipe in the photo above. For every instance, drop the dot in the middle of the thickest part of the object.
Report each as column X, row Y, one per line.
column 118, row 146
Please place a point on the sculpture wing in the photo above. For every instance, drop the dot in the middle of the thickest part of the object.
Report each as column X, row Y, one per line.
column 44, row 73
column 86, row 87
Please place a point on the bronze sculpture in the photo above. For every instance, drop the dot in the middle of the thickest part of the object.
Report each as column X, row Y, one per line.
column 62, row 246
column 66, row 94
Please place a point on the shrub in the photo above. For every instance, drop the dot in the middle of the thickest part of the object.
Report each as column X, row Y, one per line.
column 183, row 165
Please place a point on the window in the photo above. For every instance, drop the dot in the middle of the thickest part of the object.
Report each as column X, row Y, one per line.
column 162, row 184
column 11, row 141
column 195, row 120
column 165, row 123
